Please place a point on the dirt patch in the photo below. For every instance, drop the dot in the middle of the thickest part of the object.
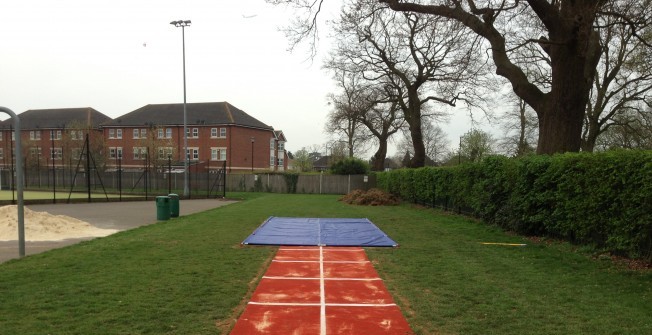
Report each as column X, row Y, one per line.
column 372, row 197
column 42, row 226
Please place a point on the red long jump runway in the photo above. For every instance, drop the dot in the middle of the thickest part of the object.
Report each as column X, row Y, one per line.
column 321, row 291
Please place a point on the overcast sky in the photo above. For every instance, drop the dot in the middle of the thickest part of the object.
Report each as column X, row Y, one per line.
column 119, row 55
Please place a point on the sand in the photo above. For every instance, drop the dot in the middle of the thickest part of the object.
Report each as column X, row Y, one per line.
column 42, row 226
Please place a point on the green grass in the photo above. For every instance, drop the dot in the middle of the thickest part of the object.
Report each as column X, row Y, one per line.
column 191, row 276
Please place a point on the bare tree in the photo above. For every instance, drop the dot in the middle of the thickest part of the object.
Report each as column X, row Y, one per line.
column 344, row 121
column 435, row 140
column 572, row 44
column 417, row 60
column 519, row 124
column 569, row 41
column 623, row 83
column 635, row 133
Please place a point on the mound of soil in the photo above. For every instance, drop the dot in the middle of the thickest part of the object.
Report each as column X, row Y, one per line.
column 372, row 197
column 43, row 226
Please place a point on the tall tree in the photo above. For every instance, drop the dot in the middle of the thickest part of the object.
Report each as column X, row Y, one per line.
column 519, row 124
column 564, row 33
column 572, row 45
column 344, row 120
column 417, row 59
column 435, row 140
column 623, row 82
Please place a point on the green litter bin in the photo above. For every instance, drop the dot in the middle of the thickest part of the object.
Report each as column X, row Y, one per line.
column 163, row 208
column 174, row 205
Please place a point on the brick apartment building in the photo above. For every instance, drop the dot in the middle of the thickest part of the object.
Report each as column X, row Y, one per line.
column 218, row 132
column 51, row 136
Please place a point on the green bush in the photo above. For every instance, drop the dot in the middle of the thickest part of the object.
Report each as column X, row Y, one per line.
column 350, row 166
column 603, row 200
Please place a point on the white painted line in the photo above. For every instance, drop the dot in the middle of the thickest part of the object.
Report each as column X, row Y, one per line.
column 322, row 292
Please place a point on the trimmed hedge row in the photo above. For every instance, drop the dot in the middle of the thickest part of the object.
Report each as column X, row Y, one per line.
column 602, row 199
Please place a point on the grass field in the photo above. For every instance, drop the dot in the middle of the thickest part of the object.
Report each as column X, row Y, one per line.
column 191, row 276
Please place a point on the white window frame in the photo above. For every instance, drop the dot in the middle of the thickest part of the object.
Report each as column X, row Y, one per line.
column 223, row 132
column 272, row 143
column 56, row 153
column 143, row 133
column 136, row 133
column 118, row 151
column 213, row 132
column 160, row 133
column 195, row 132
column 111, row 133
column 168, row 132
column 218, row 153
column 118, row 133
column 192, row 153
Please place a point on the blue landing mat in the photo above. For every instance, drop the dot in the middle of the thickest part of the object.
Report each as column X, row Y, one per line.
column 319, row 231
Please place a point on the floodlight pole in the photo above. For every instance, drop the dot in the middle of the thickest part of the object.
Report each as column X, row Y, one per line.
column 183, row 24
column 19, row 176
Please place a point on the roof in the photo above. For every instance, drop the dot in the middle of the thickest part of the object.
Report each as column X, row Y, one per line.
column 58, row 118
column 206, row 113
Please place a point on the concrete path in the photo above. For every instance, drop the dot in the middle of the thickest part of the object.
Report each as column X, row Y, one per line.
column 107, row 215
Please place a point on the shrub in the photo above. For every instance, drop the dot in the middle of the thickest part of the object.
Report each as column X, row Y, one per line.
column 602, row 199
column 350, row 166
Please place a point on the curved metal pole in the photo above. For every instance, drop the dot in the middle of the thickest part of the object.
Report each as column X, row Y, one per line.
column 19, row 177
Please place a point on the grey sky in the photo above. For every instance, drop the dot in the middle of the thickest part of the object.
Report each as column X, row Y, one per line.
column 118, row 55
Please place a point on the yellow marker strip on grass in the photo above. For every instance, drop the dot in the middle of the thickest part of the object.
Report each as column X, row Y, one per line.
column 505, row 244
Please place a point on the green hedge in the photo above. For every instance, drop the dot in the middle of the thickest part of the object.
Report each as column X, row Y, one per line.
column 603, row 199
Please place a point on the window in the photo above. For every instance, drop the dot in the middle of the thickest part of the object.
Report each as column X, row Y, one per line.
column 55, row 153
column 168, row 132
column 281, row 146
column 111, row 133
column 13, row 135
column 2, row 136
column 118, row 133
column 77, row 154
column 272, row 143
column 193, row 153
column 213, row 132
column 223, row 132
column 136, row 134
column 76, row 135
column 164, row 153
column 35, row 135
column 140, row 153
column 143, row 133
column 218, row 154
column 195, row 132
column 115, row 153
column 160, row 133
column 280, row 161
column 35, row 152
column 272, row 160
column 2, row 153
column 55, row 134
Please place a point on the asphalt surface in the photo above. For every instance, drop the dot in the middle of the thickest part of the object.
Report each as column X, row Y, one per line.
column 107, row 215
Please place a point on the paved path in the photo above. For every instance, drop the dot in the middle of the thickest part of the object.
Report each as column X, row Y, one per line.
column 321, row 291
column 108, row 215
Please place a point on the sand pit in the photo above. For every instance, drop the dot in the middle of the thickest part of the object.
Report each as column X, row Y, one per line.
column 42, row 226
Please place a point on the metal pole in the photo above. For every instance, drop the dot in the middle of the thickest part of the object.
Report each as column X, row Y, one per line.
column 183, row 24
column 186, row 164
column 19, row 173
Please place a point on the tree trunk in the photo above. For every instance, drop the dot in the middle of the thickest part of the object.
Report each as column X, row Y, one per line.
column 419, row 158
column 379, row 156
